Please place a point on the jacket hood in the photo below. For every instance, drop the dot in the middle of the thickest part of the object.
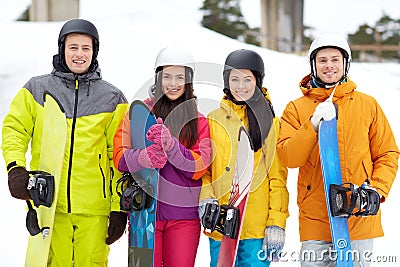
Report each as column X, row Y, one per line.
column 343, row 89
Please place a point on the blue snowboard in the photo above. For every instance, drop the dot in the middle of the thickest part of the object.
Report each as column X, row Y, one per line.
column 142, row 223
column 330, row 161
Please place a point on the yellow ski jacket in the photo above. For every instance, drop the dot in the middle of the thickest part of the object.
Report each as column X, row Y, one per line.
column 268, row 199
column 94, row 109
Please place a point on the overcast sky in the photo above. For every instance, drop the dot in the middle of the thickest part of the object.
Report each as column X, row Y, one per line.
column 341, row 16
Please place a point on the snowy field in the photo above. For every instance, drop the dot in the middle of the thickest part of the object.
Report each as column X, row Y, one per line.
column 129, row 42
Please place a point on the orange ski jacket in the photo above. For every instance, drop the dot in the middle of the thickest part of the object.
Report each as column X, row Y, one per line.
column 367, row 148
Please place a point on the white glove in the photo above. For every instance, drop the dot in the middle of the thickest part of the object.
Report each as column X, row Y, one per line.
column 203, row 203
column 273, row 242
column 324, row 111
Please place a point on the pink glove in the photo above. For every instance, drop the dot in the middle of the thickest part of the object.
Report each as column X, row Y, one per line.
column 160, row 134
column 152, row 157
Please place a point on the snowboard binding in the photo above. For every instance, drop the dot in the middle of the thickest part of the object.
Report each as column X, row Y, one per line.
column 351, row 200
column 41, row 189
column 224, row 219
column 135, row 193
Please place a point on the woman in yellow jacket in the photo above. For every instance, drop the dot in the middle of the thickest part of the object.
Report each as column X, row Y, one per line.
column 368, row 152
column 246, row 103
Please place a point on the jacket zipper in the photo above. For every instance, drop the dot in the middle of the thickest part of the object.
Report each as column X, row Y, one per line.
column 71, row 150
column 104, row 178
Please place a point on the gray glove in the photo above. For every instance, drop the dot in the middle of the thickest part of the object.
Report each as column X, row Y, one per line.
column 273, row 242
column 203, row 203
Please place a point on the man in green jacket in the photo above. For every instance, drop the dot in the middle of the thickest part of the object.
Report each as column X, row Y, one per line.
column 88, row 216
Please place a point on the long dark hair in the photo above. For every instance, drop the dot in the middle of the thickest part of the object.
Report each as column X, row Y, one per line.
column 180, row 115
column 259, row 110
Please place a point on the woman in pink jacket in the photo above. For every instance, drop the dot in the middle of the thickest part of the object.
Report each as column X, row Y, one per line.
column 181, row 151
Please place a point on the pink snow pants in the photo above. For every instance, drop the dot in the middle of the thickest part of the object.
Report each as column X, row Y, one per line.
column 176, row 243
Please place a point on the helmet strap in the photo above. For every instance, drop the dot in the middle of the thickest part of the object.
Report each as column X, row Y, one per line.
column 317, row 81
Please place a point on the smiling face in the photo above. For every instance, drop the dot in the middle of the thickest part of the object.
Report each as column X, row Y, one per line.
column 329, row 65
column 242, row 84
column 173, row 81
column 78, row 52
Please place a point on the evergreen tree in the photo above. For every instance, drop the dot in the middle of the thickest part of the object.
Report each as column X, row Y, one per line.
column 389, row 30
column 386, row 31
column 225, row 17
column 308, row 36
column 364, row 35
column 252, row 36
column 25, row 15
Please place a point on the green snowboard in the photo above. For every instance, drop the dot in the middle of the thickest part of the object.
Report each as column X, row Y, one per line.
column 51, row 160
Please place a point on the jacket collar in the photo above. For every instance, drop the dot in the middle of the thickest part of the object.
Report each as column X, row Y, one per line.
column 229, row 106
column 343, row 89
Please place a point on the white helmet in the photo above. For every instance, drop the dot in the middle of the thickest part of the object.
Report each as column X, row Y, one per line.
column 330, row 40
column 174, row 56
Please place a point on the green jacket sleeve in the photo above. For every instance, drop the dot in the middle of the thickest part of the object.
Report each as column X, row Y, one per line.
column 18, row 128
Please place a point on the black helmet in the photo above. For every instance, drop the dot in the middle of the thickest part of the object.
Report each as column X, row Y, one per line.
column 244, row 59
column 78, row 26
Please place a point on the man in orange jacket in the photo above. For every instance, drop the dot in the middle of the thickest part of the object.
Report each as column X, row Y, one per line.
column 368, row 151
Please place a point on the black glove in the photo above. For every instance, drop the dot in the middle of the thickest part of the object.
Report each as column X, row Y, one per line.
column 18, row 179
column 116, row 227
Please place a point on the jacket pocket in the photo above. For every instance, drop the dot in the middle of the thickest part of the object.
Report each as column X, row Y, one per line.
column 368, row 167
column 304, row 183
column 100, row 257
